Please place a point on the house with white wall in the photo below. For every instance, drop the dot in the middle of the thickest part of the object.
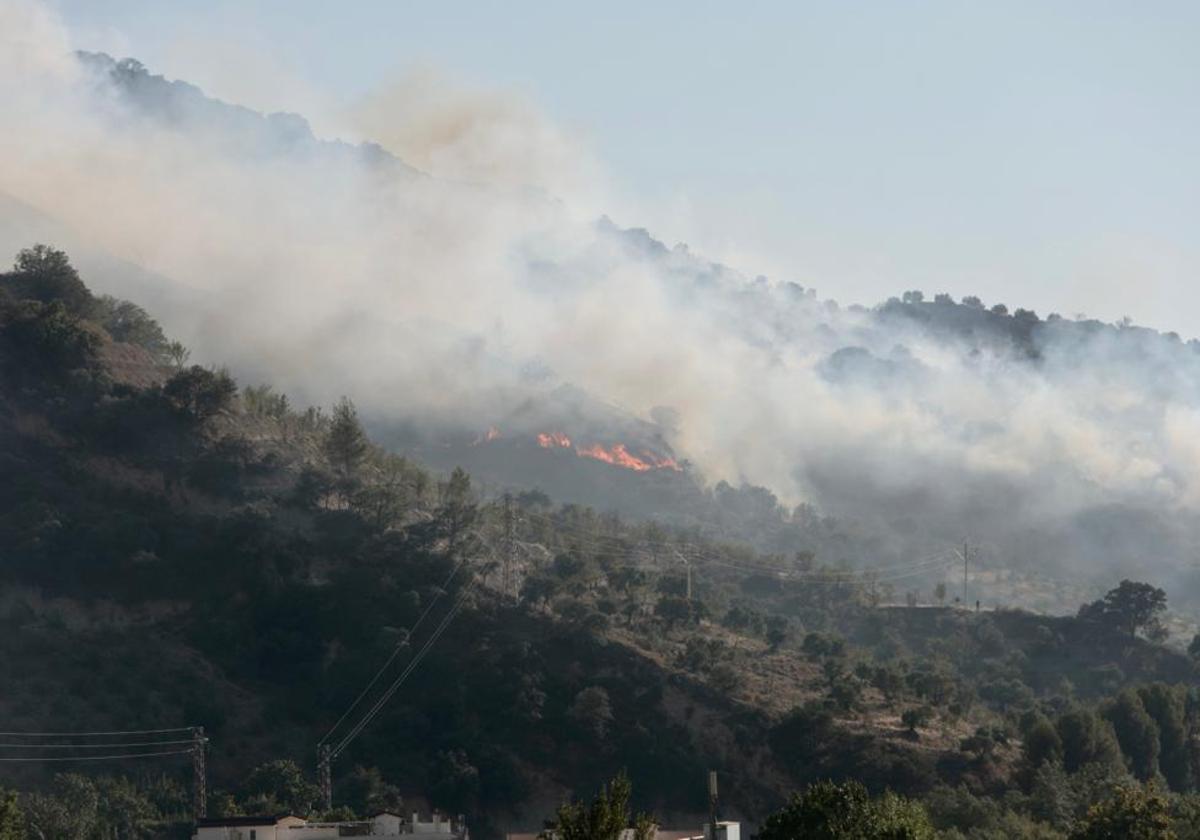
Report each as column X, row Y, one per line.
column 245, row 828
column 291, row 827
column 726, row 830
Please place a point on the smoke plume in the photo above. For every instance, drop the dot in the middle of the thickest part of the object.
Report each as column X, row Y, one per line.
column 451, row 281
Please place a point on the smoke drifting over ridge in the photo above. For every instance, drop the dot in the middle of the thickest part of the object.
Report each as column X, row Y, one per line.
column 332, row 269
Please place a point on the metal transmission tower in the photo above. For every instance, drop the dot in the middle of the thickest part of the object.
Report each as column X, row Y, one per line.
column 328, row 749
column 712, row 804
column 966, row 557
column 510, row 545
column 325, row 776
column 199, row 774
column 687, row 565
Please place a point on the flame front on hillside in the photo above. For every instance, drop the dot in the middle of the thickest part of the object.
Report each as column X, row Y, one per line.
column 618, row 454
column 553, row 440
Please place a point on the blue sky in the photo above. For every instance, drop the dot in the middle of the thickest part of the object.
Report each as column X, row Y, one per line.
column 1039, row 154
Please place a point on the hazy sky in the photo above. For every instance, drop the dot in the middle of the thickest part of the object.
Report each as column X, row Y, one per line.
column 1039, row 154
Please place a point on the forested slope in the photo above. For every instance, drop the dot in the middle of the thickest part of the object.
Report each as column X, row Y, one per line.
column 178, row 550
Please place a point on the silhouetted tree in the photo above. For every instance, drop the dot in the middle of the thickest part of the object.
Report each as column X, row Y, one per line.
column 198, row 393
column 1130, row 607
column 366, row 792
column 177, row 354
column 1042, row 743
column 915, row 718
column 674, row 610
column 605, row 818
column 129, row 323
column 1087, row 739
column 45, row 274
column 458, row 510
column 455, row 783
column 777, row 631
column 821, row 644
column 280, row 785
column 43, row 343
column 345, row 442
column 592, row 710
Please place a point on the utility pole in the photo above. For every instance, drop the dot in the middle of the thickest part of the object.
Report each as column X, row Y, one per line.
column 966, row 553
column 509, row 544
column 325, row 777
column 199, row 774
column 712, row 805
column 688, row 564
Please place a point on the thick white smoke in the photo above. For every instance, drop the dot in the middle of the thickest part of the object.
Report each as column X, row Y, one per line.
column 431, row 294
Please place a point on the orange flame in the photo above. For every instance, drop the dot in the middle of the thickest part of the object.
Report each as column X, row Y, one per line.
column 619, row 456
column 487, row 437
column 665, row 462
column 553, row 440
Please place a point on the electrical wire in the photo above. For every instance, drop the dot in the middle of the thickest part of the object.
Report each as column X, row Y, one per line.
column 605, row 545
column 395, row 652
column 112, row 757
column 400, row 680
column 96, row 746
column 94, row 734
column 696, row 551
column 387, row 695
column 850, row 576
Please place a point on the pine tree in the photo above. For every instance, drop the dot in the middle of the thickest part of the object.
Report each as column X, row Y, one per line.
column 346, row 443
column 604, row 819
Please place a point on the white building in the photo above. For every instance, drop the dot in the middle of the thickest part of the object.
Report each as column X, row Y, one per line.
column 291, row 827
column 726, row 830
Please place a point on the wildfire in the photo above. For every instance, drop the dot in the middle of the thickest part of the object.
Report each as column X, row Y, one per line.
column 553, row 440
column 619, row 456
column 487, row 437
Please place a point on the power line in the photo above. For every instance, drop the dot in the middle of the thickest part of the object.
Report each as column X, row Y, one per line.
column 395, row 652
column 617, row 545
column 96, row 746
column 93, row 734
column 399, row 681
column 836, row 575
column 692, row 552
column 96, row 757
column 387, row 695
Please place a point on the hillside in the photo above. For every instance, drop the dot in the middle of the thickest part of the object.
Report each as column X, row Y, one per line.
column 469, row 319
column 179, row 550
